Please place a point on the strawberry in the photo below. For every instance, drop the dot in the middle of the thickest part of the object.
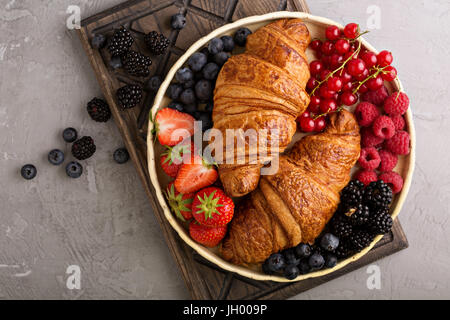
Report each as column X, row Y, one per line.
column 172, row 159
column 181, row 204
column 212, row 207
column 207, row 236
column 195, row 175
column 172, row 126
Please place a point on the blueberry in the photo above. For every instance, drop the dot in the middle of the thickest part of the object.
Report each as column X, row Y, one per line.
column 206, row 120
column 28, row 171
column 276, row 262
column 330, row 260
column 70, row 135
column 154, row 83
column 189, row 84
column 98, row 41
column 74, row 170
column 240, row 37
column 303, row 250
column 197, row 61
column 316, row 261
column 184, row 75
column 290, row 257
column 56, row 157
column 115, row 62
column 304, row 267
column 176, row 106
column 266, row 269
column 174, row 91
column 203, row 90
column 215, row 46
column 208, row 55
column 221, row 57
column 209, row 106
column 178, row 21
column 188, row 96
column 291, row 272
column 228, row 43
column 329, row 242
column 121, row 156
column 210, row 71
column 191, row 109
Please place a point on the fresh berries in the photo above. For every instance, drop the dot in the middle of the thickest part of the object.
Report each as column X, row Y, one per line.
column 376, row 97
column 207, row 236
column 70, row 135
column 291, row 272
column 276, row 262
column 156, row 43
column 367, row 176
column 394, row 180
column 74, row 170
column 344, row 250
column 121, row 156
column 360, row 239
column 369, row 139
column 181, row 204
column 195, row 175
column 121, row 42
column 396, row 104
column 329, row 242
column 385, row 58
column 129, row 96
column 204, row 90
column 399, row 122
column 212, row 207
column 56, row 157
column 399, row 143
column 172, row 159
column 303, row 250
column 369, row 158
column 154, row 83
column 188, row 96
column 366, row 113
column 136, row 64
column 215, row 46
column 184, row 75
column 98, row 41
column 383, row 127
column 341, row 227
column 28, row 171
column 178, row 21
column 228, row 43
column 197, row 61
column 357, row 215
column 332, row 33
column 316, row 261
column 99, row 110
column 115, row 62
column 378, row 195
column 83, row 148
column 352, row 194
column 388, row 160
column 210, row 71
column 351, row 30
column 221, row 58
column 380, row 222
column 174, row 91
column 173, row 126
column 240, row 37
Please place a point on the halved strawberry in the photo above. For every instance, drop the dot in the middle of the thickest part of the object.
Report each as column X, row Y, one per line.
column 172, row 159
column 195, row 175
column 207, row 236
column 172, row 126
column 212, row 207
column 181, row 204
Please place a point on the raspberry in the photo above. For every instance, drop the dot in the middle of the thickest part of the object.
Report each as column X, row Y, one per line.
column 366, row 113
column 369, row 159
column 399, row 122
column 376, row 97
column 396, row 104
column 368, row 139
column 388, row 160
column 394, row 180
column 383, row 127
column 399, row 143
column 367, row 176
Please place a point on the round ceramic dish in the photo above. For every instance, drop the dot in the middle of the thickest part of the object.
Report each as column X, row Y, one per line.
column 316, row 26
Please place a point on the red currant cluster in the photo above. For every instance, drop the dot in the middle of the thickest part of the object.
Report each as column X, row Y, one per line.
column 343, row 70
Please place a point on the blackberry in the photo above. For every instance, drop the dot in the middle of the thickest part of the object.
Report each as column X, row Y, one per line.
column 352, row 194
column 83, row 148
column 358, row 215
column 129, row 96
column 136, row 64
column 99, row 110
column 121, row 42
column 156, row 43
column 341, row 227
column 344, row 250
column 360, row 239
column 380, row 222
column 377, row 195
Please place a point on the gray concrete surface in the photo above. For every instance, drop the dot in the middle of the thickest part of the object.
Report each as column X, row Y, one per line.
column 103, row 221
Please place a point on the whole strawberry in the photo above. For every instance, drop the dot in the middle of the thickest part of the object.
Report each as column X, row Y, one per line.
column 212, row 207
column 181, row 204
column 172, row 159
column 207, row 236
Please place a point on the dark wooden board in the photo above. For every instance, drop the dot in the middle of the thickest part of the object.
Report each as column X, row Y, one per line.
column 203, row 279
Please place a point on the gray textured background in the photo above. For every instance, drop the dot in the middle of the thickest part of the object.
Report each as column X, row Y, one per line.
column 103, row 221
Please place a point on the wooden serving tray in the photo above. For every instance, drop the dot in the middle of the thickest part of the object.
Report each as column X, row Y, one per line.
column 204, row 280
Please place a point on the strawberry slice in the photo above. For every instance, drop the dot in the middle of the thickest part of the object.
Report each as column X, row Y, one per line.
column 207, row 236
column 172, row 159
column 173, row 126
column 195, row 175
column 181, row 204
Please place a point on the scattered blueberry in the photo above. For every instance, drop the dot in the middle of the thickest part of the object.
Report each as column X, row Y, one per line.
column 74, row 170
column 276, row 262
column 304, row 267
column 330, row 260
column 291, row 272
column 70, row 135
column 98, row 41
column 174, row 91
column 178, row 21
column 203, row 90
column 215, row 46
column 303, row 250
column 197, row 61
column 121, row 156
column 154, row 83
column 210, row 71
column 221, row 57
column 206, row 120
column 189, row 84
column 240, row 37
column 329, row 242
column 187, row 96
column 266, row 269
column 115, row 62
column 316, row 261
column 176, row 106
column 184, row 75
column 28, row 171
column 290, row 257
column 209, row 106
column 228, row 43
column 56, row 157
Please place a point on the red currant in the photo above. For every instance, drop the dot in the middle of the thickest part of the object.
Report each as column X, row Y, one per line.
column 375, row 83
column 332, row 33
column 314, row 104
column 320, row 124
column 389, row 73
column 345, row 76
column 385, row 58
column 327, row 48
column 324, row 74
column 336, row 60
column 348, row 98
column 315, row 67
column 369, row 58
column 305, row 114
column 311, row 84
column 342, row 46
column 351, row 30
column 328, row 105
column 334, row 84
column 348, row 86
column 326, row 93
column 307, row 124
column 316, row 44
column 363, row 75
column 363, row 88
column 356, row 67
column 351, row 54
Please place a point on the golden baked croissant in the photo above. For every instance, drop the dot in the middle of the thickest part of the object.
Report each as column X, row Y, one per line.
column 262, row 89
column 295, row 204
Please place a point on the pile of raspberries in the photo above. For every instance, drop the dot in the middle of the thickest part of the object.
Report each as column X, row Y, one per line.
column 383, row 136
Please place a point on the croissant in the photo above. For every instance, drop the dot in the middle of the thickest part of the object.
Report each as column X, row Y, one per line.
column 262, row 89
column 295, row 204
